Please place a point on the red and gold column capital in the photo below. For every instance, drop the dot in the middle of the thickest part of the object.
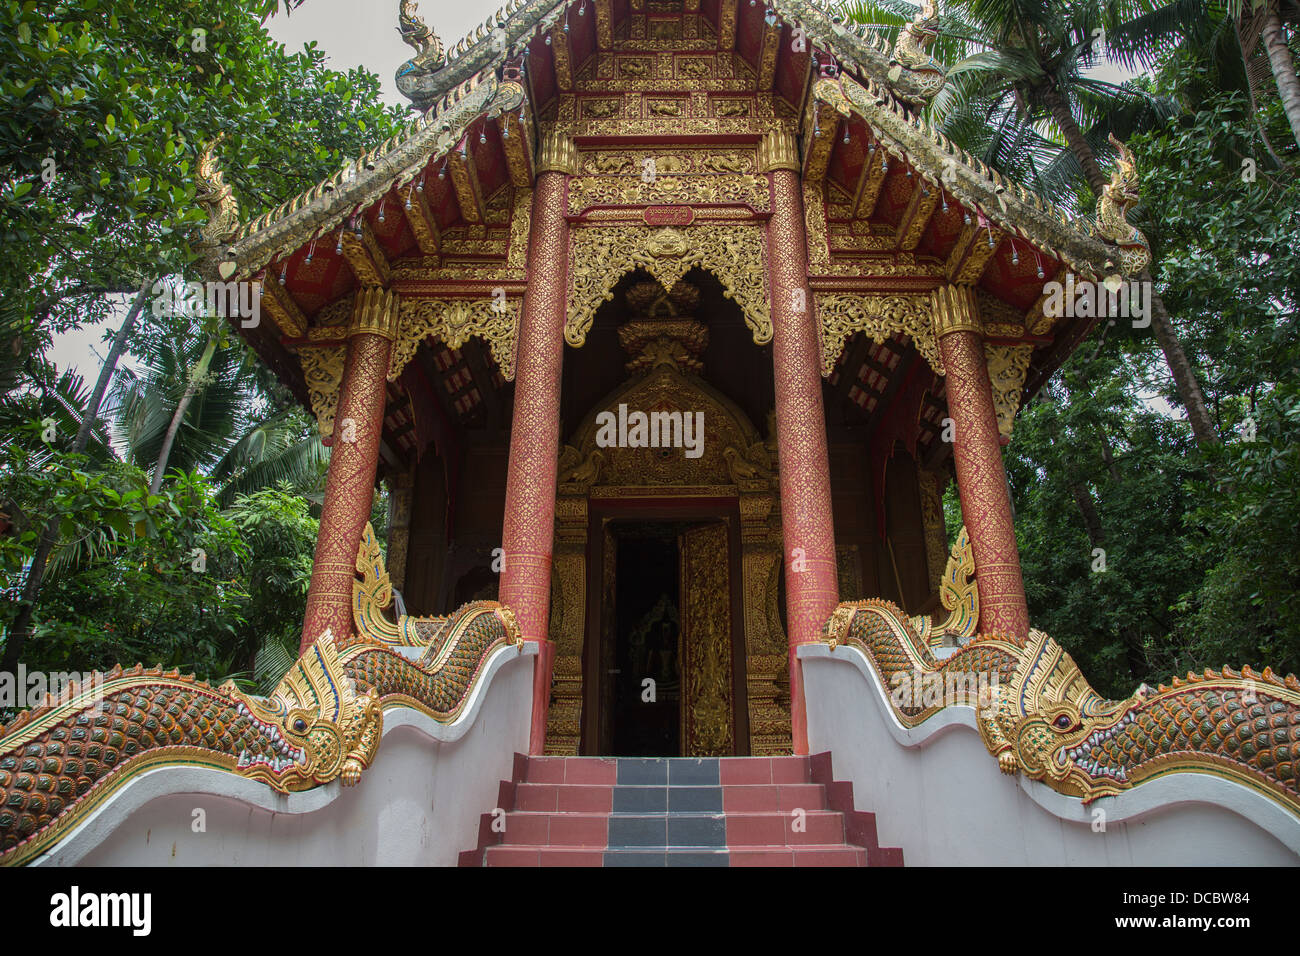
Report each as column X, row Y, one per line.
column 354, row 457
column 977, row 454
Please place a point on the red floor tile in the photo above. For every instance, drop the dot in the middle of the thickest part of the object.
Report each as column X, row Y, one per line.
column 790, row 770
column 579, row 830
column 545, row 770
column 745, row 770
column 590, row 770
column 512, row 856
column 571, row 856
column 537, row 797
column 584, row 798
column 748, row 856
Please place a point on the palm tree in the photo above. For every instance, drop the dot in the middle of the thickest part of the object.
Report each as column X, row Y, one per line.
column 20, row 631
column 199, row 403
column 1266, row 21
column 1020, row 97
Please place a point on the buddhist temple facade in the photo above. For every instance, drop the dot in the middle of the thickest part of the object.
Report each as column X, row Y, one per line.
column 667, row 325
column 700, row 209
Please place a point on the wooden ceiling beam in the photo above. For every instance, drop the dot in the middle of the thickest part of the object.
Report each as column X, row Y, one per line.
column 919, row 212
column 870, row 183
column 423, row 223
column 364, row 255
column 464, row 178
column 284, row 311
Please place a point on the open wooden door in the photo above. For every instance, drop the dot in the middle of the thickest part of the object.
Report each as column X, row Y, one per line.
column 708, row 725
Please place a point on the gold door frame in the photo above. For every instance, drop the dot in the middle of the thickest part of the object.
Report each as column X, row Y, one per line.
column 737, row 464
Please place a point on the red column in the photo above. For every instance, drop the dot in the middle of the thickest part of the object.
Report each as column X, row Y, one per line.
column 977, row 452
column 811, row 584
column 529, row 532
column 354, row 455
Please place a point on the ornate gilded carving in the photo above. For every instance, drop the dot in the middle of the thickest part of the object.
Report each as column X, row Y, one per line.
column 375, row 312
column 322, row 369
column 880, row 317
column 778, row 150
column 958, row 595
column 218, row 201
column 735, row 253
column 930, row 484
column 1117, row 198
column 655, row 176
column 558, row 154
column 910, row 53
column 1008, row 366
column 706, row 642
column 954, row 310
column 1038, row 715
column 453, row 322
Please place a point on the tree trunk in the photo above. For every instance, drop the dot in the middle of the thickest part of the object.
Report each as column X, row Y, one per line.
column 192, row 388
column 20, row 631
column 1189, row 389
column 1279, row 58
column 1060, row 111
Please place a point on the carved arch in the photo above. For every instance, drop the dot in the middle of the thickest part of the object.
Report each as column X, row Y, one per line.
column 736, row 253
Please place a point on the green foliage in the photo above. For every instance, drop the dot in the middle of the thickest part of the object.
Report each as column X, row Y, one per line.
column 137, row 577
column 104, row 109
column 1199, row 542
column 1249, row 605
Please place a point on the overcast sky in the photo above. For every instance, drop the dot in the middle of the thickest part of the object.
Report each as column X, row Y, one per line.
column 364, row 32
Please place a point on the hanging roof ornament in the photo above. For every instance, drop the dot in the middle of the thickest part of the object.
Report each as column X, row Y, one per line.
column 218, row 200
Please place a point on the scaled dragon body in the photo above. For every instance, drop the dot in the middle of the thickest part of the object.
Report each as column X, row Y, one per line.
column 323, row 722
column 1045, row 720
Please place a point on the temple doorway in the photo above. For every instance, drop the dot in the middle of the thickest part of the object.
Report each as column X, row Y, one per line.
column 662, row 667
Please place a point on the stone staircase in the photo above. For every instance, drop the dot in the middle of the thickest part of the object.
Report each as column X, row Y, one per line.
column 718, row 811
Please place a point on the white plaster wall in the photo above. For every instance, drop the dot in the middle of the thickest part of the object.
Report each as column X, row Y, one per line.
column 939, row 795
column 418, row 804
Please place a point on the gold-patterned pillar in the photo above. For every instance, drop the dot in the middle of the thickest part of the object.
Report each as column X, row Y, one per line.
column 535, row 433
column 809, row 531
column 977, row 453
column 354, row 456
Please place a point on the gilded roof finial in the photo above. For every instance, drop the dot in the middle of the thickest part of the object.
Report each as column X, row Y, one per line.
column 218, row 200
column 910, row 50
column 1117, row 197
column 413, row 76
column 415, row 32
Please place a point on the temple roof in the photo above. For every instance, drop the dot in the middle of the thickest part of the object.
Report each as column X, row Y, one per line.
column 468, row 84
column 440, row 212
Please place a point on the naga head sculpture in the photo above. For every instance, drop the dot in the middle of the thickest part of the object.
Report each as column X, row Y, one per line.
column 1049, row 717
column 320, row 727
